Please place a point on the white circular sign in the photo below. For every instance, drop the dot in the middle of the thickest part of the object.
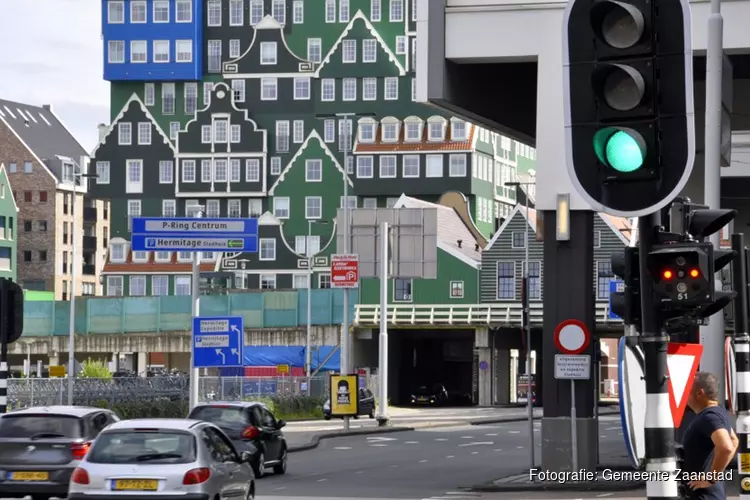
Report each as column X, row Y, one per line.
column 572, row 337
column 220, row 94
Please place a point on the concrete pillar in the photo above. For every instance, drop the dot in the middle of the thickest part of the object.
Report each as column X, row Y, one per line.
column 484, row 384
column 142, row 363
column 54, row 360
column 502, row 384
column 513, row 374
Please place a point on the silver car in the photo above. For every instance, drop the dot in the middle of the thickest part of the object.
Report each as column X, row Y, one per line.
column 166, row 458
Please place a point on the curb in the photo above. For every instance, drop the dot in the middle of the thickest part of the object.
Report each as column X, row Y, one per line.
column 601, row 486
column 317, row 438
column 524, row 418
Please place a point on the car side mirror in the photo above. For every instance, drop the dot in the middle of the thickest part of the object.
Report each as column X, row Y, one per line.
column 245, row 457
column 280, row 424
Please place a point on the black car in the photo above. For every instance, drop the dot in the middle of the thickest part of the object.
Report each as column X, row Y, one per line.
column 426, row 396
column 252, row 427
column 40, row 447
column 366, row 404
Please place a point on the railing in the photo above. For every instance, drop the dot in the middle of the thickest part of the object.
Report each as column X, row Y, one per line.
column 503, row 314
column 90, row 214
column 89, row 242
column 89, row 269
column 117, row 315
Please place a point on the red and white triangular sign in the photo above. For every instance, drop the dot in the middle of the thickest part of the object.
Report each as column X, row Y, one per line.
column 682, row 363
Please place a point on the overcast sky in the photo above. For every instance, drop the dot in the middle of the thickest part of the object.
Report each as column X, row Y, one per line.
column 50, row 53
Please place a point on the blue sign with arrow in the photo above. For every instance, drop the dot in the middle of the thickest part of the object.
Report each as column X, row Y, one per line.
column 614, row 287
column 218, row 342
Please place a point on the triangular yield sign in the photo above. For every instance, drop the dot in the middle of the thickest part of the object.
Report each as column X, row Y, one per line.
column 682, row 364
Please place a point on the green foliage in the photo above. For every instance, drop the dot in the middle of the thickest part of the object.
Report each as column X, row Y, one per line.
column 95, row 369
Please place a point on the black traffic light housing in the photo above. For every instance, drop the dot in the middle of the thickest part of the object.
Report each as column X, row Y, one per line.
column 11, row 310
column 627, row 303
column 629, row 118
column 682, row 275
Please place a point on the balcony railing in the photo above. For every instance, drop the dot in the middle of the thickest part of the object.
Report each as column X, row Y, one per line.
column 90, row 214
column 89, row 269
column 89, row 243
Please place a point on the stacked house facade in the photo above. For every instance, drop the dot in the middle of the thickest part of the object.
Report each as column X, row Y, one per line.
column 266, row 108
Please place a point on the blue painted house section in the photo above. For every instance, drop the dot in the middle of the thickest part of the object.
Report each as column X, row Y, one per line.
column 152, row 40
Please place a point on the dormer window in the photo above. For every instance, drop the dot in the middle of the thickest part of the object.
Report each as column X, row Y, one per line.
column 436, row 129
column 459, row 130
column 367, row 130
column 390, row 129
column 413, row 129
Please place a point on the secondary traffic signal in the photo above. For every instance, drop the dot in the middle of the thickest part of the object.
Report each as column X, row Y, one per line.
column 628, row 102
column 11, row 310
column 627, row 303
column 682, row 274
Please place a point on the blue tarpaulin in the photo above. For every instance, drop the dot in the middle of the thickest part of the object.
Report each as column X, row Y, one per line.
column 293, row 356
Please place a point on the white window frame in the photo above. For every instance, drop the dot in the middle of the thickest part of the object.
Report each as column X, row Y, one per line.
column 163, row 285
column 140, row 47
column 349, row 51
column 436, row 121
column 313, row 166
column 457, row 156
column 314, row 46
column 367, row 45
column 234, row 209
column 133, row 186
column 278, row 11
column 124, row 133
column 382, row 165
column 369, row 89
column 102, row 172
column 397, row 18
column 461, row 137
column 390, row 88
column 149, row 94
column 117, row 47
column 168, row 208
column 513, row 280
column 376, row 10
column 310, row 202
column 238, row 90
column 140, row 289
column 235, row 49
column 234, row 12
column 158, row 51
column 141, row 6
column 349, row 84
column 267, row 249
column 433, row 175
column 329, row 131
column 403, row 166
column 168, row 98
column 328, row 90
column 184, row 284
column 255, row 12
column 187, row 166
column 252, row 165
column 283, row 211
column 298, row 12
column 115, row 283
column 283, row 136
column 521, row 234
column 166, row 172
column 298, row 131
column 271, row 84
column 460, row 285
column 120, row 8
column 302, row 88
column 265, row 58
column 367, row 130
column 401, row 43
column 213, row 4
column 275, row 165
column 408, row 124
column 183, row 51
column 361, row 161
column 268, row 278
column 411, row 290
column 235, row 133
column 189, row 11
column 115, row 248
column 330, row 11
column 162, row 4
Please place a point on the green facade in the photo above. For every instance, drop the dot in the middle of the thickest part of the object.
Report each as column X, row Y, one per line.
column 8, row 228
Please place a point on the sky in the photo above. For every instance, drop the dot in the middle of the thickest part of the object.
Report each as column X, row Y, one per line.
column 50, row 53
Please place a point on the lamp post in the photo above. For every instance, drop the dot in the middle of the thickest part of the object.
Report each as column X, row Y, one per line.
column 77, row 176
column 310, row 257
column 244, row 263
column 526, row 316
column 348, row 143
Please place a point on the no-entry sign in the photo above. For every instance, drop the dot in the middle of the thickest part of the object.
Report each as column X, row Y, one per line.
column 572, row 336
column 344, row 271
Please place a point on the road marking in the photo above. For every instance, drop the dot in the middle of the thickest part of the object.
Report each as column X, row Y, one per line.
column 519, row 447
column 379, row 439
column 440, row 439
column 378, row 445
column 467, row 437
column 343, row 448
column 603, row 495
column 321, row 480
column 423, row 461
column 613, row 429
column 604, row 436
column 360, row 472
column 450, row 456
column 498, row 449
column 492, row 434
column 475, row 453
column 411, row 442
column 477, row 443
column 280, row 488
column 514, row 432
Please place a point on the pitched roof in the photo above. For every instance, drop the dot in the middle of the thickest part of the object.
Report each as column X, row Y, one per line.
column 450, row 228
column 151, row 266
column 43, row 133
column 359, row 15
column 422, row 146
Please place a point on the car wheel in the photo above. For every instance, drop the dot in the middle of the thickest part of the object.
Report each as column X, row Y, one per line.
column 260, row 466
column 280, row 468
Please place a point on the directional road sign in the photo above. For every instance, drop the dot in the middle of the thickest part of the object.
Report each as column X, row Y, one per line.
column 194, row 234
column 218, row 342
column 159, row 243
column 181, row 226
column 344, row 271
column 615, row 286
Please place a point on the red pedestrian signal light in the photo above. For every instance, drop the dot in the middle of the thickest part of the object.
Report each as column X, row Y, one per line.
column 694, row 273
column 667, row 275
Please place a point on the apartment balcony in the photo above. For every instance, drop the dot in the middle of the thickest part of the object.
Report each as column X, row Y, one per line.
column 89, row 243
column 90, row 215
column 89, row 269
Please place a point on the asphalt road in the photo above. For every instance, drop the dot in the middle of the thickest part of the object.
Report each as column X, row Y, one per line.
column 421, row 464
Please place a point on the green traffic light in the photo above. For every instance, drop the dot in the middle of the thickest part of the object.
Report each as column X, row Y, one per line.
column 620, row 148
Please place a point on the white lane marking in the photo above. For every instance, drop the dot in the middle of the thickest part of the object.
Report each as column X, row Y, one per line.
column 450, row 456
column 379, row 439
column 603, row 495
column 280, row 488
column 514, row 432
column 498, row 449
column 613, row 429
column 467, row 437
column 475, row 453
column 379, row 445
column 491, row 434
column 478, row 443
column 360, row 472
column 519, row 447
column 440, row 439
column 411, row 442
column 321, row 480
column 605, row 437
column 423, row 461
column 343, row 448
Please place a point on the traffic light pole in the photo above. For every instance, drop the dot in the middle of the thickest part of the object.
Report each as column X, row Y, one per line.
column 659, row 431
column 741, row 353
column 4, row 336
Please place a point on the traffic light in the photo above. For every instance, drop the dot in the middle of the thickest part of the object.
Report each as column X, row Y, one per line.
column 682, row 274
column 11, row 300
column 628, row 99
column 627, row 303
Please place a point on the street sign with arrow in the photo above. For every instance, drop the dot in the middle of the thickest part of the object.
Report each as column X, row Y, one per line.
column 218, row 342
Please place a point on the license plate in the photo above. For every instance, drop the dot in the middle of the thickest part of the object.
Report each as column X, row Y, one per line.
column 136, row 484
column 422, row 399
column 29, row 476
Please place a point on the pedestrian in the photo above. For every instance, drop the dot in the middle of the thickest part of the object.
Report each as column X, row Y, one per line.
column 709, row 441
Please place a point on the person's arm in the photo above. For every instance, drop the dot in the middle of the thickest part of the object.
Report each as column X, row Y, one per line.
column 725, row 444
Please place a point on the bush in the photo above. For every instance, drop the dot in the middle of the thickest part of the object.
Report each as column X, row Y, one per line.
column 95, row 369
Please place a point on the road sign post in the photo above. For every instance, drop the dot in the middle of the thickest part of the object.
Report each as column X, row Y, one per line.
column 218, row 342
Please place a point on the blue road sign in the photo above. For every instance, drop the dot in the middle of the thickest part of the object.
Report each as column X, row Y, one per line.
column 218, row 342
column 195, row 226
column 614, row 286
column 193, row 243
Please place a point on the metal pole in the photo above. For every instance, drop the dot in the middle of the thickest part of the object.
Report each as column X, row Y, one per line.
column 573, row 426
column 383, row 322
column 660, row 452
column 527, row 325
column 72, row 325
column 345, row 369
column 195, row 288
column 712, row 359
column 4, row 334
column 308, row 354
column 741, row 355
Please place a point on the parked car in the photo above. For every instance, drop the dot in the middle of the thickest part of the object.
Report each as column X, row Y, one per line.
column 179, row 458
column 366, row 404
column 41, row 447
column 423, row 395
column 252, row 428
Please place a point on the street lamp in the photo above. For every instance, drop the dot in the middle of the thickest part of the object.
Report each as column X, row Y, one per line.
column 526, row 316
column 310, row 257
column 348, row 143
column 244, row 263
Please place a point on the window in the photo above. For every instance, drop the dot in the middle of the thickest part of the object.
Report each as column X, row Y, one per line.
column 255, row 208
column 102, row 172
column 137, row 11
column 267, row 281
column 278, row 11
column 329, row 131
column 161, row 51
column 324, row 281
column 457, row 166
column 298, row 12
column 275, row 165
column 184, row 11
column 27, row 167
column 313, row 207
column 437, row 130
column 117, row 252
column 268, row 53
column 401, row 290
column 166, row 169
column 345, row 135
column 42, row 225
column 161, row 11
column 268, row 89
column 206, row 171
column 236, row 14
column 390, row 132
column 457, row 289
column 214, row 13
column 168, row 99
column 397, row 10
column 367, row 131
column 149, row 94
column 387, row 167
column 506, row 280
column 114, row 286
column 267, row 249
column 300, row 280
column 313, row 170
column 349, row 51
column 138, row 51
column 597, row 239
column 188, row 170
column 134, row 182
column 369, row 89
column 314, row 49
column 238, row 91
column 220, row 172
column 327, row 89
column 252, row 170
column 182, row 285
column 115, row 12
column 221, row 130
column 391, row 89
column 434, row 166
column 234, row 169
column 330, row 11
column 535, row 279
column 413, row 131
column 144, row 133
column 282, row 136
column 369, row 50
column 207, row 88
column 298, row 131
column 375, row 10
column 116, row 51
column 234, row 48
column 401, row 45
column 414, row 90
column 256, row 11
column 183, row 51
column 344, row 11
column 410, row 166
column 235, row 135
column 413, row 54
column 206, row 135
column 169, row 208
column 281, row 208
column 352, row 202
column 302, row 88
column 214, row 56
column 134, row 210
column 459, row 130
column 364, row 167
column 137, row 286
column 234, row 209
column 370, row 203
column 213, row 210
column 159, row 285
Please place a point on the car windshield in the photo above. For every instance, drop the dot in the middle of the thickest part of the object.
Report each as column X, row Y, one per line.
column 40, row 426
column 422, row 390
column 223, row 416
column 160, row 447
